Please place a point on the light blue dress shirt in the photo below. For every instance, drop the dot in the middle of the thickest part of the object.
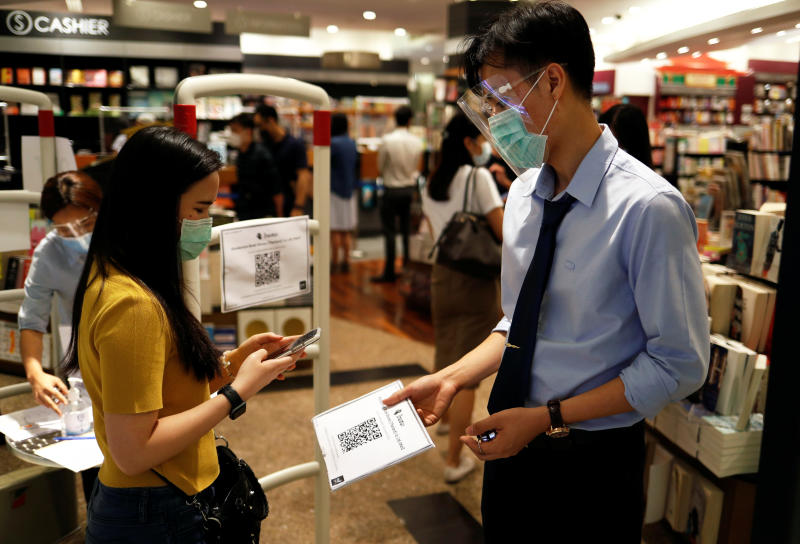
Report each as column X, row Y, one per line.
column 625, row 295
column 55, row 270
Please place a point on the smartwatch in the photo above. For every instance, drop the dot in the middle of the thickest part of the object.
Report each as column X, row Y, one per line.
column 557, row 428
column 238, row 406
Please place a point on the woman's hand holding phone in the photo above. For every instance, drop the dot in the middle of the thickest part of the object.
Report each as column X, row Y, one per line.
column 266, row 340
column 257, row 371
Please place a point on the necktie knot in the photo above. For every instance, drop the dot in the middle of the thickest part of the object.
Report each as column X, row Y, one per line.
column 555, row 210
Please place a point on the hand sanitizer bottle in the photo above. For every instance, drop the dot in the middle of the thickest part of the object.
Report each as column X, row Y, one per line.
column 77, row 414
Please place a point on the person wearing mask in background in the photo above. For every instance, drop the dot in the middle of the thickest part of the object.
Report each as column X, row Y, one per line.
column 503, row 175
column 398, row 164
column 290, row 155
column 344, row 182
column 258, row 183
column 147, row 362
column 605, row 319
column 70, row 200
column 465, row 308
column 629, row 127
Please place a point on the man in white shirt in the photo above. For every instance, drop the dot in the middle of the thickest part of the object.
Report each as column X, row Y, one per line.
column 398, row 162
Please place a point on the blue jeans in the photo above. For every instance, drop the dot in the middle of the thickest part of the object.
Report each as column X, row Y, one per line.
column 132, row 515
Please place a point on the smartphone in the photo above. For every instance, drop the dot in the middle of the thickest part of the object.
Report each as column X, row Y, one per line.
column 298, row 345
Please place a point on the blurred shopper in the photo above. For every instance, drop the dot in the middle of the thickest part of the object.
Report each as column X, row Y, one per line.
column 398, row 164
column 142, row 120
column 344, row 183
column 258, row 183
column 503, row 175
column 605, row 314
column 147, row 362
column 70, row 200
column 465, row 308
column 629, row 126
column 290, row 154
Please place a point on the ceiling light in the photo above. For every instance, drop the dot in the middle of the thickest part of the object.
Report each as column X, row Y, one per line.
column 425, row 61
column 781, row 33
column 696, row 54
column 332, row 29
column 400, row 31
column 608, row 20
column 645, row 60
column 369, row 15
column 713, row 41
column 634, row 9
column 757, row 30
column 797, row 25
column 74, row 5
column 200, row 4
column 682, row 50
column 661, row 56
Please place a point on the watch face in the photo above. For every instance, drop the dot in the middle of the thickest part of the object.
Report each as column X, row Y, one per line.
column 558, row 432
column 239, row 410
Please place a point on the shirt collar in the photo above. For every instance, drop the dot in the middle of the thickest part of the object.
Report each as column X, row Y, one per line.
column 587, row 177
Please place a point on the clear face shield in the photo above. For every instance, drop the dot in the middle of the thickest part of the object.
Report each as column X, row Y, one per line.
column 495, row 107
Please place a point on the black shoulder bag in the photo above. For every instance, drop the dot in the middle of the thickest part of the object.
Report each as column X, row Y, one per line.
column 467, row 243
column 232, row 507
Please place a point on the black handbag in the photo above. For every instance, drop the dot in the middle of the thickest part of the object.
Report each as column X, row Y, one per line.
column 467, row 243
column 232, row 507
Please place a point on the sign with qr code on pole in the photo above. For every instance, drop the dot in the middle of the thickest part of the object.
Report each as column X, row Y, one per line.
column 264, row 260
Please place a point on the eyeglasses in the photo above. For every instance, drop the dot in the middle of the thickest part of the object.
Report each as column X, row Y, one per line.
column 76, row 228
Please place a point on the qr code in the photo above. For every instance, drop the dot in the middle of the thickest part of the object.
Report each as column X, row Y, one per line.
column 268, row 268
column 359, row 435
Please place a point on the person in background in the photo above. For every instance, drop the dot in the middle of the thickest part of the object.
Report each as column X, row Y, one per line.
column 503, row 175
column 147, row 362
column 344, row 182
column 70, row 200
column 605, row 319
column 398, row 163
column 465, row 308
column 290, row 154
column 629, row 127
column 142, row 120
column 258, row 182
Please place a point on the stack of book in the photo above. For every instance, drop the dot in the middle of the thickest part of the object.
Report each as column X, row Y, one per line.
column 724, row 450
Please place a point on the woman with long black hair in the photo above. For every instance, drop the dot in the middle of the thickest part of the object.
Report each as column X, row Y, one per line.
column 146, row 361
column 464, row 307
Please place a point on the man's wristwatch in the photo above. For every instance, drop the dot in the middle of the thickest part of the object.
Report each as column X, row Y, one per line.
column 557, row 428
column 238, row 406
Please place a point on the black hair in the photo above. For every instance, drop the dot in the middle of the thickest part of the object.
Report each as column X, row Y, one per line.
column 629, row 126
column 339, row 124
column 530, row 36
column 244, row 120
column 453, row 156
column 75, row 188
column 403, row 115
column 266, row 111
column 156, row 166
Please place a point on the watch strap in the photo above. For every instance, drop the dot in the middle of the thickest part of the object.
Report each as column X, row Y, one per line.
column 237, row 404
column 554, row 409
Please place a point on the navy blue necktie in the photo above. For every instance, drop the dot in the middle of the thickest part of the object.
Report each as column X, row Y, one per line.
column 512, row 384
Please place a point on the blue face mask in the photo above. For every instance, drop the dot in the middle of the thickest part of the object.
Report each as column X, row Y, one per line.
column 485, row 155
column 195, row 236
column 520, row 149
column 77, row 244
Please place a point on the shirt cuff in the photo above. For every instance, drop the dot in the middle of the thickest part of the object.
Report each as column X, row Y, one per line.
column 648, row 387
column 503, row 326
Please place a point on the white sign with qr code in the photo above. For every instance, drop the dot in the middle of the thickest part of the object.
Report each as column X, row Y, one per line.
column 361, row 437
column 263, row 260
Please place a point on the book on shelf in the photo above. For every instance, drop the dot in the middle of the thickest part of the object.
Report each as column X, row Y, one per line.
column 139, row 76
column 95, row 78
column 756, row 243
column 680, row 491
column 730, row 365
column 752, row 314
column 166, row 77
column 657, row 484
column 7, row 76
column 756, row 385
column 23, row 76
column 721, row 295
column 56, row 76
column 705, row 512
column 767, row 249
column 768, row 166
column 75, row 78
column 116, row 78
column 38, row 76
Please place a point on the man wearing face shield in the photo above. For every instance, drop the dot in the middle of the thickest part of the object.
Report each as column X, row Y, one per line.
column 602, row 294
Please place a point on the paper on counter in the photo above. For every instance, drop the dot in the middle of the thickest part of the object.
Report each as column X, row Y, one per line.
column 76, row 455
column 263, row 261
column 28, row 423
column 361, row 437
column 32, row 161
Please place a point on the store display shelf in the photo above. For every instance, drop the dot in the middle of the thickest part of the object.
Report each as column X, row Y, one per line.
column 699, row 155
column 680, row 90
column 775, row 151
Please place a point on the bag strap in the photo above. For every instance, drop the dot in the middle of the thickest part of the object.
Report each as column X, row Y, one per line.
column 470, row 177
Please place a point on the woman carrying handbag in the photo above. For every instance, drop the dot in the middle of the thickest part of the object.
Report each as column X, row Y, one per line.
column 147, row 362
column 465, row 303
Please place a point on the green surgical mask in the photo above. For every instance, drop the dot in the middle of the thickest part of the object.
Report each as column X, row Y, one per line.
column 195, row 236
